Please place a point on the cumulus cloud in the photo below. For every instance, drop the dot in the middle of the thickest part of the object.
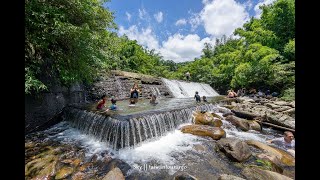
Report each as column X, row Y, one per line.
column 142, row 13
column 181, row 48
column 195, row 21
column 128, row 16
column 158, row 16
column 221, row 17
column 181, row 22
column 258, row 10
column 144, row 37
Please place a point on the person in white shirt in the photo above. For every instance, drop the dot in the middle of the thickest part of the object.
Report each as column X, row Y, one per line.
column 287, row 142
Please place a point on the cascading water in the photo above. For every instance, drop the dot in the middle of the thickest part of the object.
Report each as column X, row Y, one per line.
column 130, row 131
column 182, row 89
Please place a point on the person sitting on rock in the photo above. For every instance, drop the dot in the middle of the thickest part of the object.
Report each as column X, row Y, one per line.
column 197, row 97
column 287, row 142
column 204, row 98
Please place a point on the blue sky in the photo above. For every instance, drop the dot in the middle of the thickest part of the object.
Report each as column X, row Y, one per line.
column 178, row 29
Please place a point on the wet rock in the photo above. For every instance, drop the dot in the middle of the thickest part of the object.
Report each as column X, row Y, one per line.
column 282, row 103
column 229, row 177
column 255, row 173
column 217, row 123
column 283, row 108
column 115, row 163
column 78, row 176
column 227, row 114
column 284, row 156
column 238, row 122
column 272, row 106
column 183, row 176
column 204, row 130
column 277, row 165
column 114, row 174
column 235, row 149
column 64, row 172
column 203, row 118
column 216, row 116
column 254, row 125
column 43, row 165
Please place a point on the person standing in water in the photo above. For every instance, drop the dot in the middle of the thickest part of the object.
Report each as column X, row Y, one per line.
column 204, row 98
column 134, row 92
column 188, row 76
column 197, row 97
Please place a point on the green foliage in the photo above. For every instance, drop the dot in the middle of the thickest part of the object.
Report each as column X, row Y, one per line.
column 31, row 83
column 65, row 40
column 265, row 164
column 290, row 50
column 288, row 94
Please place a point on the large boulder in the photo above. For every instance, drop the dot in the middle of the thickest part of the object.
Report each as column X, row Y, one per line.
column 207, row 118
column 284, row 156
column 229, row 177
column 215, row 133
column 255, row 173
column 235, row 149
column 238, row 122
column 254, row 125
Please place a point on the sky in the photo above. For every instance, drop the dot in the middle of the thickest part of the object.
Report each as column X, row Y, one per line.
column 178, row 29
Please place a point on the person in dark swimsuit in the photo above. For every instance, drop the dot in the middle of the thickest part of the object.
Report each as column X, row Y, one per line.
column 197, row 97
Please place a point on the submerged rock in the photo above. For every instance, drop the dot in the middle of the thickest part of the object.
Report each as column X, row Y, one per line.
column 235, row 149
column 255, row 173
column 204, row 130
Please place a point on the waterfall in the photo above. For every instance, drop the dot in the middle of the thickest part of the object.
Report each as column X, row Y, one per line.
column 182, row 89
column 156, row 91
column 127, row 131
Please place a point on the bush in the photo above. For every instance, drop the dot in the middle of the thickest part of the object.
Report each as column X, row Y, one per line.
column 288, row 94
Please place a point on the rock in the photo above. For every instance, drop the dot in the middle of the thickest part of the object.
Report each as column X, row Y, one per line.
column 238, row 122
column 216, row 116
column 290, row 112
column 207, row 119
column 227, row 114
column 254, row 173
column 64, row 172
column 283, row 108
column 245, row 114
column 42, row 165
column 78, row 176
column 235, row 149
column 115, row 163
column 114, row 174
column 204, row 130
column 254, row 125
column 203, row 118
column 272, row 106
column 292, row 104
column 183, row 176
column 282, row 103
column 284, row 157
column 229, row 177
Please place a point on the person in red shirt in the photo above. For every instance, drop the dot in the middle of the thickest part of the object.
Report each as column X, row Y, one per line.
column 102, row 102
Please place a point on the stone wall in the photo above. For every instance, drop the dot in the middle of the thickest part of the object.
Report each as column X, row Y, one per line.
column 119, row 83
column 42, row 108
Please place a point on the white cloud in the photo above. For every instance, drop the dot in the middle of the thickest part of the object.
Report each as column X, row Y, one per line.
column 222, row 17
column 128, row 16
column 142, row 13
column 158, row 16
column 259, row 11
column 144, row 37
column 181, row 22
column 194, row 21
column 181, row 48
column 248, row 4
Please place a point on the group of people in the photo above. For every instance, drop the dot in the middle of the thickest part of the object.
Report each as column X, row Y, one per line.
column 134, row 95
column 251, row 93
column 198, row 98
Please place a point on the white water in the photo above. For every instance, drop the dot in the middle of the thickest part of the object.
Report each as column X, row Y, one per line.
column 182, row 89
